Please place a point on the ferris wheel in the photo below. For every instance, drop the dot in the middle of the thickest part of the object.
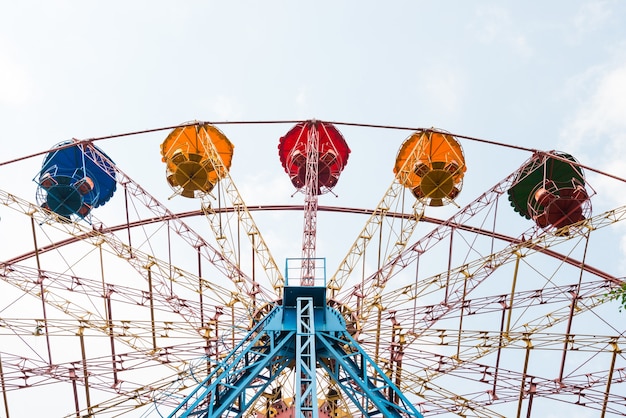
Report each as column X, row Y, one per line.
column 151, row 274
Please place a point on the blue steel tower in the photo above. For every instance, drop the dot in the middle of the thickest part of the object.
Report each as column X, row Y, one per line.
column 310, row 336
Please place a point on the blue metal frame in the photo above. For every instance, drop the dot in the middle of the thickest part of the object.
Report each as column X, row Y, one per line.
column 306, row 359
column 350, row 370
column 319, row 279
column 225, row 387
column 308, row 332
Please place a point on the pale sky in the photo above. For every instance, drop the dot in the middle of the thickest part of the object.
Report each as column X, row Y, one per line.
column 546, row 75
column 488, row 69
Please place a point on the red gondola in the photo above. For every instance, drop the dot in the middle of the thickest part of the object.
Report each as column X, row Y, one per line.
column 332, row 154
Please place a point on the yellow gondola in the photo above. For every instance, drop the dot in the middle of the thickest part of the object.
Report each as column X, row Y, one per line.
column 196, row 156
column 432, row 165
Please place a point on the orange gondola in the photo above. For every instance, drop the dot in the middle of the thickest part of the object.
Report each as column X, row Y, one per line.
column 432, row 165
column 197, row 156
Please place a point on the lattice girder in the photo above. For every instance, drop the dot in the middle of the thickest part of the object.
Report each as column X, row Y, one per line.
column 272, row 345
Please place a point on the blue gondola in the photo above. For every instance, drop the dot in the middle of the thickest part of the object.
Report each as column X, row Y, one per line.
column 74, row 179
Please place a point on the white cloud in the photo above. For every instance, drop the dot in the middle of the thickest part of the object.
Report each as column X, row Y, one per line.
column 263, row 187
column 301, row 98
column 445, row 88
column 225, row 108
column 521, row 46
column 494, row 25
column 16, row 88
column 591, row 16
column 491, row 23
column 596, row 134
column 601, row 117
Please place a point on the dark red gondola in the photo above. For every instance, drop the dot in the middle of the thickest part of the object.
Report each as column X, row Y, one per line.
column 551, row 190
column 332, row 154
